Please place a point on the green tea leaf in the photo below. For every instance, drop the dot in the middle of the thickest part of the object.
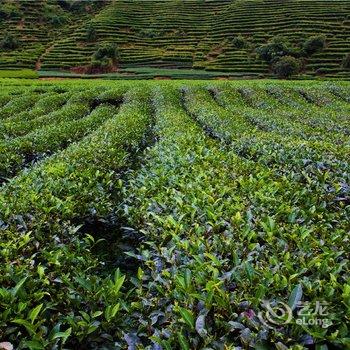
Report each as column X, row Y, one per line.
column 29, row 327
column 295, row 296
column 64, row 335
column 33, row 314
column 118, row 284
column 34, row 345
column 183, row 342
column 18, row 286
column 187, row 316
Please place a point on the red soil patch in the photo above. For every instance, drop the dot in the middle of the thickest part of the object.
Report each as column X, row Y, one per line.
column 222, row 78
column 161, row 78
column 20, row 24
column 215, row 52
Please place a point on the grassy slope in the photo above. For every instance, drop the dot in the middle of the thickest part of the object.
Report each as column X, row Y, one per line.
column 187, row 34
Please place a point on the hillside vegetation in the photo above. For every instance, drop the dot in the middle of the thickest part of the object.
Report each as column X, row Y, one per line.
column 215, row 35
column 28, row 28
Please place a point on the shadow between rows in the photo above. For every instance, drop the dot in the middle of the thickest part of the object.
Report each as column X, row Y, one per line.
column 115, row 237
column 30, row 159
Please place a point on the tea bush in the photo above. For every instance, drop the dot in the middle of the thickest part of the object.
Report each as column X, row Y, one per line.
column 174, row 215
column 55, row 289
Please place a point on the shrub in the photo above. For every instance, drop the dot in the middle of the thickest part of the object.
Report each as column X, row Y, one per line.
column 239, row 42
column 321, row 71
column 104, row 59
column 314, row 44
column 100, row 63
column 64, row 4
column 277, row 47
column 83, row 6
column 286, row 66
column 80, row 6
column 91, row 34
column 57, row 21
column 54, row 15
column 106, row 51
column 9, row 42
column 9, row 10
column 346, row 61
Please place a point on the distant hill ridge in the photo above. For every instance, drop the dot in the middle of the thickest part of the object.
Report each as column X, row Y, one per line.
column 215, row 35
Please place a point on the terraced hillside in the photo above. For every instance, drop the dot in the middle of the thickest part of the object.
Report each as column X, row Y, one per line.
column 174, row 215
column 37, row 24
column 201, row 34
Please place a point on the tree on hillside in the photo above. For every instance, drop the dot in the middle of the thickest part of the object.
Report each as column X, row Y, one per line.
column 346, row 61
column 9, row 10
column 314, row 44
column 277, row 47
column 106, row 51
column 239, row 42
column 54, row 15
column 105, row 58
column 91, row 33
column 9, row 42
column 284, row 57
column 286, row 66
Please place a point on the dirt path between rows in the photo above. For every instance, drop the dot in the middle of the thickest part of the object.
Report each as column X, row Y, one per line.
column 38, row 62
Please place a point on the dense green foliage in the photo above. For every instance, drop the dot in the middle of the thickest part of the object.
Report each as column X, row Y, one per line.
column 276, row 48
column 212, row 35
column 239, row 42
column 91, row 34
column 19, row 73
column 314, row 44
column 105, row 57
column 33, row 26
column 284, row 57
column 162, row 215
column 346, row 61
column 286, row 66
column 9, row 42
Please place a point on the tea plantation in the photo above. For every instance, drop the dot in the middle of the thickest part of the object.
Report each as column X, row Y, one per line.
column 174, row 215
column 226, row 37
